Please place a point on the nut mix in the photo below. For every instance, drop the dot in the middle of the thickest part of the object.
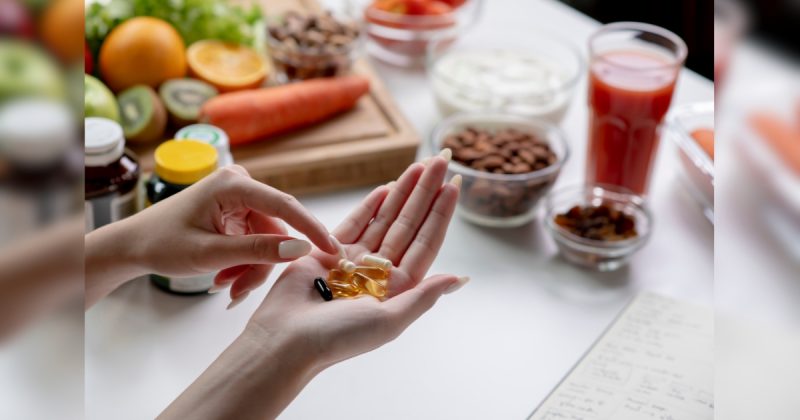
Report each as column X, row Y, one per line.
column 505, row 151
column 602, row 223
column 316, row 45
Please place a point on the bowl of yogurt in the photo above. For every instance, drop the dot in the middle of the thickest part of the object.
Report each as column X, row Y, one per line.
column 532, row 76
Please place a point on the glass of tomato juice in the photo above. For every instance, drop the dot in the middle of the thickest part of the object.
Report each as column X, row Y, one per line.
column 632, row 73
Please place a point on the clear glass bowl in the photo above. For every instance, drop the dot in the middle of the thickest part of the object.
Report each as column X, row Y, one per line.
column 531, row 74
column 402, row 40
column 590, row 253
column 502, row 200
column 293, row 64
column 697, row 167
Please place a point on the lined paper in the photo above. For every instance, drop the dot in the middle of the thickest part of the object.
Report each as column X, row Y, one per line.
column 655, row 362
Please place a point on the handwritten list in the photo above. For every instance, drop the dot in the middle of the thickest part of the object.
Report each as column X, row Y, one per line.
column 655, row 362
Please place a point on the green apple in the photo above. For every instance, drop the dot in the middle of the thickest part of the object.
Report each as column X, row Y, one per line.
column 98, row 101
column 27, row 71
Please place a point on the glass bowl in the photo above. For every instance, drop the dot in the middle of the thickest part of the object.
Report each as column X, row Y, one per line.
column 532, row 74
column 591, row 253
column 697, row 167
column 502, row 200
column 402, row 40
column 302, row 63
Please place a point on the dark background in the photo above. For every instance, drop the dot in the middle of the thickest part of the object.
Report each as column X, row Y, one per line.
column 692, row 20
column 776, row 22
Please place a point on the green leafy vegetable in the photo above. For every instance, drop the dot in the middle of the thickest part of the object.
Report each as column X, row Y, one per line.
column 194, row 19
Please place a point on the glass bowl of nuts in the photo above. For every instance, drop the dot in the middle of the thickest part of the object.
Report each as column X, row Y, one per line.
column 306, row 46
column 597, row 227
column 507, row 163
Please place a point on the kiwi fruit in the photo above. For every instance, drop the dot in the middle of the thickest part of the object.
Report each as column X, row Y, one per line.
column 144, row 118
column 183, row 99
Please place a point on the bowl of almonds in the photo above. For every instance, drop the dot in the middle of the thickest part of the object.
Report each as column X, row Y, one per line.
column 306, row 46
column 507, row 163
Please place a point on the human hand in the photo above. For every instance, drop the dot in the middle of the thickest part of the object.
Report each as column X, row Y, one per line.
column 406, row 224
column 228, row 222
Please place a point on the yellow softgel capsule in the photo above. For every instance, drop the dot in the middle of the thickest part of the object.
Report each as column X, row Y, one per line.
column 337, row 275
column 374, row 273
column 344, row 289
column 372, row 287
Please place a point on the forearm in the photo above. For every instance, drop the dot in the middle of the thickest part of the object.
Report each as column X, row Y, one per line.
column 110, row 260
column 254, row 378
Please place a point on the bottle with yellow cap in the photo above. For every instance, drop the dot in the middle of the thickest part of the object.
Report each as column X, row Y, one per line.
column 179, row 164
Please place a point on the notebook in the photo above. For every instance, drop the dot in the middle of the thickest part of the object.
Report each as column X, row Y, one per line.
column 655, row 361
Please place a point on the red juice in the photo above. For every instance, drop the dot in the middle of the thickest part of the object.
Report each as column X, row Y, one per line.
column 629, row 93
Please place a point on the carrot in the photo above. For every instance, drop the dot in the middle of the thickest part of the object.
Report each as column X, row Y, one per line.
column 782, row 136
column 705, row 139
column 252, row 115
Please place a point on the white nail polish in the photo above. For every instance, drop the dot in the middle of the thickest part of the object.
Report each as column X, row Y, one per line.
column 293, row 248
column 239, row 299
column 376, row 261
column 426, row 161
column 216, row 288
column 457, row 285
column 446, row 153
column 456, row 180
column 339, row 247
column 391, row 184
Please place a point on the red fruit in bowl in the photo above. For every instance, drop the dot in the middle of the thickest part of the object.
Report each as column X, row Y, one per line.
column 88, row 63
column 437, row 8
column 454, row 3
column 15, row 19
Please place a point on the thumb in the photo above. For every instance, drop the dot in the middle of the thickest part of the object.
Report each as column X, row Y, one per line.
column 232, row 250
column 406, row 307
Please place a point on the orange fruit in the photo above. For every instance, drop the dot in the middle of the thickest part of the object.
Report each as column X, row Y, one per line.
column 142, row 51
column 227, row 66
column 61, row 29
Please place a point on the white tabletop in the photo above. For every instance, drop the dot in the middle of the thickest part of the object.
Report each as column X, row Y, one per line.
column 492, row 350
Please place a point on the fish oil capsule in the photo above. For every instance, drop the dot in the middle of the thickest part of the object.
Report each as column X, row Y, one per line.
column 376, row 261
column 372, row 287
column 374, row 273
column 338, row 276
column 344, row 289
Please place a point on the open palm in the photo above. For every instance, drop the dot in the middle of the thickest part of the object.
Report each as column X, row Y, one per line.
column 405, row 223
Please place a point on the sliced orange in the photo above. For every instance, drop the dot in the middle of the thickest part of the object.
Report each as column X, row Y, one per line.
column 229, row 67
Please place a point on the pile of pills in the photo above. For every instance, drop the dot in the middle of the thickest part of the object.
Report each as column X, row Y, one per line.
column 371, row 277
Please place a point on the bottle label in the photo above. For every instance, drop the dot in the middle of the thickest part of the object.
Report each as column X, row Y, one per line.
column 109, row 208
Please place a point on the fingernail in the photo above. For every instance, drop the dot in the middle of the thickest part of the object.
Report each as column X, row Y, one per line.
column 391, row 184
column 446, row 153
column 216, row 288
column 293, row 248
column 239, row 299
column 426, row 161
column 456, row 180
column 457, row 285
column 339, row 247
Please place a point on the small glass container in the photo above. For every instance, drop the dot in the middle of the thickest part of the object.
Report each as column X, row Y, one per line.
column 212, row 135
column 179, row 164
column 502, row 200
column 111, row 173
column 697, row 167
column 590, row 253
column 534, row 75
column 294, row 63
column 402, row 40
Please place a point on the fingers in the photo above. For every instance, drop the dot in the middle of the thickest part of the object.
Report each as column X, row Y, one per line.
column 354, row 224
column 267, row 200
column 226, row 276
column 425, row 246
column 406, row 307
column 414, row 211
column 400, row 191
column 233, row 250
column 250, row 280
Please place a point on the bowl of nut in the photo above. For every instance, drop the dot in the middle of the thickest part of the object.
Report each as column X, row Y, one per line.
column 597, row 227
column 507, row 163
column 306, row 46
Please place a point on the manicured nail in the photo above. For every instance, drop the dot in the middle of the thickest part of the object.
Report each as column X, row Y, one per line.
column 216, row 288
column 339, row 247
column 391, row 184
column 446, row 153
column 293, row 248
column 456, row 180
column 457, row 285
column 239, row 299
column 426, row 161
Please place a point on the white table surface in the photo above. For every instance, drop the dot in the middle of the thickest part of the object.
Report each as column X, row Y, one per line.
column 492, row 350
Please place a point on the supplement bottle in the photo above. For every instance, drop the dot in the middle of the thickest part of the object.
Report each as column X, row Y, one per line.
column 179, row 164
column 212, row 135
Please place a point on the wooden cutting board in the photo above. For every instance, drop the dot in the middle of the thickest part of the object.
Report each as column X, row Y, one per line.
column 370, row 144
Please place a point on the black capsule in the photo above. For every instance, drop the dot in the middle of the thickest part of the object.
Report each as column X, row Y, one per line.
column 323, row 289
